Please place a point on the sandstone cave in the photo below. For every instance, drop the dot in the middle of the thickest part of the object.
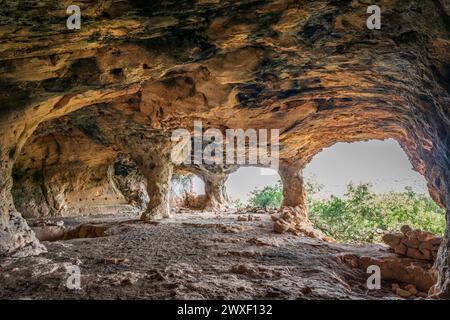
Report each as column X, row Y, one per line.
column 88, row 177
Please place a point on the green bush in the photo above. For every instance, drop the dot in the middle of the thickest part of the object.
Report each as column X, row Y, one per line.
column 268, row 197
column 362, row 215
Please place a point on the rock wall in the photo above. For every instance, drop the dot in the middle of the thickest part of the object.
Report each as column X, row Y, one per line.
column 414, row 244
column 52, row 178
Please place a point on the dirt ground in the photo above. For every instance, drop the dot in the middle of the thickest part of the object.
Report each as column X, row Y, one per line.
column 192, row 255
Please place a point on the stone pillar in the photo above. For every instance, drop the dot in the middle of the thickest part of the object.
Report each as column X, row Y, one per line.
column 16, row 238
column 293, row 187
column 214, row 177
column 293, row 215
column 216, row 193
column 158, row 172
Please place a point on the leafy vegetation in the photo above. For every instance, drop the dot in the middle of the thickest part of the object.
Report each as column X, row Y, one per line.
column 268, row 197
column 362, row 215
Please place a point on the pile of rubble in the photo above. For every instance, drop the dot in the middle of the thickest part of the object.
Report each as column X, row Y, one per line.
column 414, row 244
column 194, row 201
column 258, row 210
column 248, row 217
column 410, row 265
column 408, row 291
column 416, row 276
column 295, row 220
column 47, row 230
column 85, row 231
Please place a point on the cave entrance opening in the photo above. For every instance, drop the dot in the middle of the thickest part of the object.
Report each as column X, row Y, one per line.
column 187, row 190
column 359, row 191
column 255, row 187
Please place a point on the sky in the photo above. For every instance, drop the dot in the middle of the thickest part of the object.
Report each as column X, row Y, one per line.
column 383, row 163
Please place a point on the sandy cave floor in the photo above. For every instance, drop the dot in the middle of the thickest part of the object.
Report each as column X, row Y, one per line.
column 190, row 256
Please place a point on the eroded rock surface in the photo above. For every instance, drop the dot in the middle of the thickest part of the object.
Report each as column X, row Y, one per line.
column 191, row 255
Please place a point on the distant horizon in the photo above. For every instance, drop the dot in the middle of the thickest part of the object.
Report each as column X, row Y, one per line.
column 381, row 163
